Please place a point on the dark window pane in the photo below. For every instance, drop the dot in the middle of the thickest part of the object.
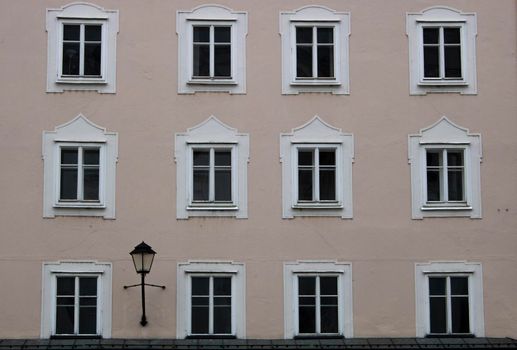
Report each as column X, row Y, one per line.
column 68, row 156
column 222, row 34
column 87, row 301
column 433, row 158
column 65, row 301
column 199, row 324
column 223, row 158
column 451, row 35
column 93, row 33
column 453, row 62
column 91, row 156
column 202, row 157
column 222, row 320
column 460, row 314
column 305, row 157
column 65, row 320
column 328, row 301
column 222, row 61
column 327, row 184
column 459, row 285
column 304, row 61
column 328, row 285
column 325, row 35
column 201, row 34
column 222, row 286
column 437, row 286
column 329, row 319
column 88, row 320
column 201, row 60
column 88, row 286
column 455, row 158
column 304, row 35
column 200, row 285
column 455, row 179
column 437, row 310
column 91, row 184
column 200, row 301
column 223, row 185
column 328, row 157
column 71, row 32
column 68, row 183
column 431, row 62
column 65, row 285
column 71, row 58
column 431, row 35
column 222, row 301
column 306, row 285
column 201, row 185
column 325, row 61
column 92, row 59
column 307, row 319
column 307, row 301
column 433, row 185
column 305, row 185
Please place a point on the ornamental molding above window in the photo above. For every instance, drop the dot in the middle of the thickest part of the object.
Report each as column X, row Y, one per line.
column 445, row 171
column 315, row 50
column 212, row 50
column 442, row 51
column 211, row 163
column 317, row 171
column 82, row 47
column 79, row 170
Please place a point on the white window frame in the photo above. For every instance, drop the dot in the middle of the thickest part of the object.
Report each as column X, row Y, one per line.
column 211, row 15
column 82, row 14
column 211, row 134
column 442, row 17
column 316, row 134
column 211, row 268
column 318, row 268
column 51, row 270
column 315, row 16
column 449, row 269
column 444, row 134
column 79, row 132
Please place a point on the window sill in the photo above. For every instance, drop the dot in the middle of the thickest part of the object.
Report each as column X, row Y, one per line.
column 228, row 207
column 81, row 80
column 319, row 336
column 211, row 336
column 314, row 205
column 80, row 205
column 443, row 82
column 462, row 335
column 211, row 82
column 315, row 83
column 445, row 207
column 76, row 336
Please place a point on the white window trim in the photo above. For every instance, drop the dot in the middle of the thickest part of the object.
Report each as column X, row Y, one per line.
column 79, row 132
column 211, row 133
column 76, row 268
column 82, row 13
column 455, row 268
column 313, row 15
column 317, row 133
column 440, row 135
column 212, row 15
column 345, row 299
column 211, row 268
column 441, row 16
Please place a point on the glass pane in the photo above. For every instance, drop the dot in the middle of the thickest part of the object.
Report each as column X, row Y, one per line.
column 304, row 61
column 92, row 59
column 222, row 301
column 201, row 34
column 453, row 61
column 91, row 184
column 328, row 301
column 307, row 301
column 65, row 285
column 87, row 301
column 327, row 157
column 328, row 285
column 460, row 314
column 304, row 35
column 305, row 157
column 202, row 157
column 434, row 158
column 68, row 183
column 65, row 320
column 306, row 285
column 305, row 185
column 329, row 319
column 433, row 185
column 88, row 320
column 327, row 184
column 455, row 179
column 307, row 319
column 437, row 310
column 451, row 35
column 223, row 185
column 222, row 34
column 69, row 156
column 65, row 301
column 222, row 61
column 91, row 156
column 437, row 285
column 223, row 158
column 222, row 320
column 455, row 158
column 71, row 32
column 200, row 301
column 93, row 33
column 431, row 35
column 459, row 285
column 222, row 286
column 201, row 185
column 199, row 324
column 325, row 35
column 201, row 60
column 88, row 286
column 431, row 62
column 325, row 61
column 200, row 285
column 70, row 58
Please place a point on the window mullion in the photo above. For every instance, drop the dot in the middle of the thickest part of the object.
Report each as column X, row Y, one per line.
column 81, row 49
column 445, row 176
column 316, row 187
column 80, row 175
column 448, row 303
column 76, row 305
column 211, row 57
column 441, row 55
column 211, row 176
column 211, row 305
column 314, row 52
column 318, row 306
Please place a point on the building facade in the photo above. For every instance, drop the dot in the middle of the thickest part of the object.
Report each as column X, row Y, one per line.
column 332, row 169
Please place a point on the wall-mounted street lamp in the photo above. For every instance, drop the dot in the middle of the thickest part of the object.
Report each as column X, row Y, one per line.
column 143, row 256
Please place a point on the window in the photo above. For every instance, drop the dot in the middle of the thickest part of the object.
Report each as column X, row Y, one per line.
column 79, row 170
column 445, row 171
column 316, row 171
column 212, row 50
column 315, row 50
column 211, row 171
column 76, row 299
column 211, row 300
column 442, row 51
column 318, row 299
column 449, row 299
